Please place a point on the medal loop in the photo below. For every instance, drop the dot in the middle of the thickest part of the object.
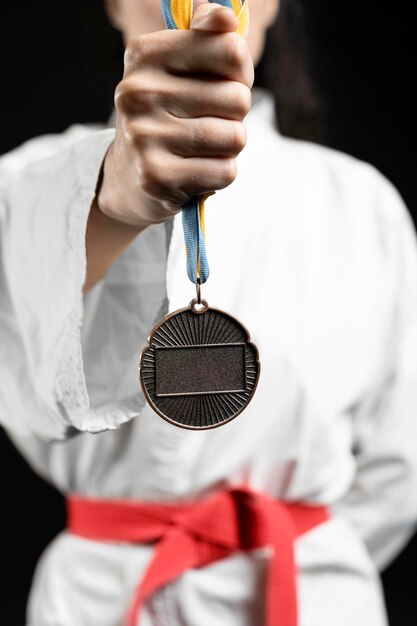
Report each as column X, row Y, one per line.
column 199, row 307
column 178, row 14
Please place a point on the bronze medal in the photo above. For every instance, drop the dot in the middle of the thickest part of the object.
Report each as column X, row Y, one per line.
column 199, row 369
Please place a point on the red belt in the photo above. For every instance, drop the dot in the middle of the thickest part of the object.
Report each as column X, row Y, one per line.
column 200, row 533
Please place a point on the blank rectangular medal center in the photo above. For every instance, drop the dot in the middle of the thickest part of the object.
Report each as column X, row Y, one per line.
column 193, row 370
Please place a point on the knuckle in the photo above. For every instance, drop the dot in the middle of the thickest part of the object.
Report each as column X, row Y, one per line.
column 150, row 180
column 236, row 49
column 141, row 51
column 142, row 134
column 149, row 184
column 242, row 99
column 122, row 95
column 238, row 137
column 155, row 179
column 136, row 94
column 133, row 52
column 229, row 171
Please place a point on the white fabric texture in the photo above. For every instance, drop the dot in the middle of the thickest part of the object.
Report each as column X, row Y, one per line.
column 322, row 269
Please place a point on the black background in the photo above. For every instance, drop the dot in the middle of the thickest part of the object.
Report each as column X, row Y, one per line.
column 60, row 63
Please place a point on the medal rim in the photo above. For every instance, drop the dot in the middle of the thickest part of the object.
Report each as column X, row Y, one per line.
column 148, row 346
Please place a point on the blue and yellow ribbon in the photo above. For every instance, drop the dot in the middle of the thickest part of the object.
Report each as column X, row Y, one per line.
column 178, row 14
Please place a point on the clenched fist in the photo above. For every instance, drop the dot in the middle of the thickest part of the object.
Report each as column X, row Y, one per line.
column 180, row 109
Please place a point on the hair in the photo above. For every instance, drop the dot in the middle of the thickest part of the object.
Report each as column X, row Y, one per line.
column 287, row 70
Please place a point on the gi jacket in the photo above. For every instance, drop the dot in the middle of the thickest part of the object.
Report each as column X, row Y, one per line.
column 315, row 253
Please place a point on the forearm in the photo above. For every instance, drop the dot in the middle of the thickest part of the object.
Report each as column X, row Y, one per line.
column 106, row 240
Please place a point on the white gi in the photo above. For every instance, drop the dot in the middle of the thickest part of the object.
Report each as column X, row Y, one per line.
column 315, row 253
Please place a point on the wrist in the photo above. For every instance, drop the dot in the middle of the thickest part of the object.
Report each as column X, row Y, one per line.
column 111, row 202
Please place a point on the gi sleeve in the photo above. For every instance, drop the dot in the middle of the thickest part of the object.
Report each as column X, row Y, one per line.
column 382, row 502
column 46, row 190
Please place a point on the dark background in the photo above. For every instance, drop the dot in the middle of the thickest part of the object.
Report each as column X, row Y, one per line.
column 60, row 63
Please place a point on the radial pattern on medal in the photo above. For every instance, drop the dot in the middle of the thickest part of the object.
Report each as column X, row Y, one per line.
column 199, row 370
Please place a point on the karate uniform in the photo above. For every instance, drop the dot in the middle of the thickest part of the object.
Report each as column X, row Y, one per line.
column 315, row 253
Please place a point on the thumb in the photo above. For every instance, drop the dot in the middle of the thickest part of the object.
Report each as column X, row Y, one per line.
column 213, row 17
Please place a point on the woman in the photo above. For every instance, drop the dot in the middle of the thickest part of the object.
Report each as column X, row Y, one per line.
column 311, row 249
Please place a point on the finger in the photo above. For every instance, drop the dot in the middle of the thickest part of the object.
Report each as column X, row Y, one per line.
column 201, row 137
column 213, row 17
column 184, row 97
column 182, row 52
column 207, row 137
column 189, row 97
column 176, row 180
column 199, row 175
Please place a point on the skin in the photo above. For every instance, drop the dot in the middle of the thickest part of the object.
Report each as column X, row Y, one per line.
column 180, row 109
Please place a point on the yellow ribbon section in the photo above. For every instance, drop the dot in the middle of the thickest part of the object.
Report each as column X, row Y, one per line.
column 182, row 12
column 201, row 201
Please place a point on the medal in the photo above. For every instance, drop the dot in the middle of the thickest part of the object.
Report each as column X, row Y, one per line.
column 199, row 369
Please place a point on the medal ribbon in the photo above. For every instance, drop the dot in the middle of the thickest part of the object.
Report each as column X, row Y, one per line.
column 178, row 14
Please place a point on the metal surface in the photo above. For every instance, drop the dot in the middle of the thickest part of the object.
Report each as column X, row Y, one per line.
column 199, row 369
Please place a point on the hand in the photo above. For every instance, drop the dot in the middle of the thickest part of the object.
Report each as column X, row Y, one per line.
column 180, row 109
